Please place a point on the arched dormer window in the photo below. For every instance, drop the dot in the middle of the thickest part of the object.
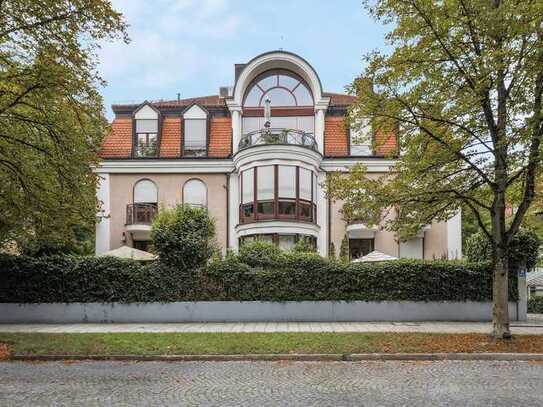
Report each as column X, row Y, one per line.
column 282, row 87
column 195, row 132
column 195, row 193
column 146, row 125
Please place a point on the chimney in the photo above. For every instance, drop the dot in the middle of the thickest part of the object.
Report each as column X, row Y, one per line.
column 178, row 98
column 237, row 70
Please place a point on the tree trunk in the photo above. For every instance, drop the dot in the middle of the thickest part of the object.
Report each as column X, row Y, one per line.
column 500, row 295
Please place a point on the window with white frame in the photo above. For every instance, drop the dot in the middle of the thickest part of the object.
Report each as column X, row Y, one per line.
column 360, row 137
column 195, row 132
column 283, row 88
column 146, row 129
column 195, row 193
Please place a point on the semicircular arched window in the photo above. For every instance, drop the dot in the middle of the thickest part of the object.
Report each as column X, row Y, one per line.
column 281, row 87
column 145, row 191
column 195, row 193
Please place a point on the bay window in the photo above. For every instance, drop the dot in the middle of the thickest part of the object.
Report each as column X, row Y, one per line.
column 278, row 192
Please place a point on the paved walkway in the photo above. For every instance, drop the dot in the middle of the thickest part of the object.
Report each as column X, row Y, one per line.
column 450, row 383
column 534, row 325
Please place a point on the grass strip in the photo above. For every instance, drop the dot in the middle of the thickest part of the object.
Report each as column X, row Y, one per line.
column 259, row 343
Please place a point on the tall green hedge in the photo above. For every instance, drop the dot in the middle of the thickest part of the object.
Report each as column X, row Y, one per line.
column 287, row 277
column 535, row 305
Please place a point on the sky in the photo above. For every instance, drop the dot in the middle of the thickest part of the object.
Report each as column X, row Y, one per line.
column 190, row 46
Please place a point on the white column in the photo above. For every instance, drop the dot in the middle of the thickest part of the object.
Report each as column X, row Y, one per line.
column 103, row 235
column 233, row 210
column 319, row 129
column 236, row 128
column 322, row 215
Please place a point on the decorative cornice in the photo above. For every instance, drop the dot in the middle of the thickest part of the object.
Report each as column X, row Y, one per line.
column 165, row 166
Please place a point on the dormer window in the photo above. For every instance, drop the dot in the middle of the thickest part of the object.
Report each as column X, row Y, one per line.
column 195, row 129
column 146, row 132
column 360, row 137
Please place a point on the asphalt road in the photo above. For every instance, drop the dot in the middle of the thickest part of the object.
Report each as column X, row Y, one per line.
column 449, row 383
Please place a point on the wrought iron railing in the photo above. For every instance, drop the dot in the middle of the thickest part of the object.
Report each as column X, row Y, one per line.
column 146, row 150
column 278, row 136
column 140, row 213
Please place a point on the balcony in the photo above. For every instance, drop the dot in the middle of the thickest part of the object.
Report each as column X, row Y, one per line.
column 278, row 137
column 140, row 213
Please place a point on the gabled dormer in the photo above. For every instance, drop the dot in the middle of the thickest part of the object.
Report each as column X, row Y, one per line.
column 195, row 131
column 146, row 131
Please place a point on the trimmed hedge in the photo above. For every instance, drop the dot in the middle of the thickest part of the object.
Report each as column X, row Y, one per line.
column 535, row 305
column 298, row 276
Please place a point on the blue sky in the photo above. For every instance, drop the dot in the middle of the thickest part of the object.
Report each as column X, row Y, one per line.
column 191, row 46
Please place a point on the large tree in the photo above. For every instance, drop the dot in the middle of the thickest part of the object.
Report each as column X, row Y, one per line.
column 462, row 89
column 51, row 114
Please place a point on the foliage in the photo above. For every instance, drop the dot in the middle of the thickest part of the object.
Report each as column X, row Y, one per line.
column 332, row 251
column 303, row 245
column 344, row 250
column 184, row 237
column 462, row 91
column 300, row 276
column 535, row 305
column 51, row 115
column 260, row 254
column 524, row 248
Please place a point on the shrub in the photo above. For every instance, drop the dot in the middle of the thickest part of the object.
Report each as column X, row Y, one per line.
column 260, row 254
column 524, row 247
column 535, row 305
column 299, row 276
column 184, row 237
column 303, row 245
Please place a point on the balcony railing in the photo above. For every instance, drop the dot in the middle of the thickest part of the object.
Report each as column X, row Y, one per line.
column 278, row 136
column 144, row 150
column 141, row 213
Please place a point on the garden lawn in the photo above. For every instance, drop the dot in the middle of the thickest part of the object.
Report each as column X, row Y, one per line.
column 257, row 343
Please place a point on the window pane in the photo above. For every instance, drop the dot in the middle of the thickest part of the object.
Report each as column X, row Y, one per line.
column 287, row 181
column 248, row 186
column 195, row 134
column 288, row 81
column 146, row 126
column 266, row 238
column 287, row 208
column 303, row 96
column 253, row 97
column 279, row 97
column 268, row 82
column 145, row 191
column 265, row 183
column 265, row 208
column 195, row 193
column 305, row 184
column 287, row 242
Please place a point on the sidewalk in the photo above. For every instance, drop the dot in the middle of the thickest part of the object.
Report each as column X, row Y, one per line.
column 534, row 326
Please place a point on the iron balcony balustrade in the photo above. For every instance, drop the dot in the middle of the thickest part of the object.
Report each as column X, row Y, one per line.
column 141, row 213
column 279, row 137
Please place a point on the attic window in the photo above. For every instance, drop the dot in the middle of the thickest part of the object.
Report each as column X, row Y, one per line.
column 360, row 138
column 195, row 132
column 146, row 137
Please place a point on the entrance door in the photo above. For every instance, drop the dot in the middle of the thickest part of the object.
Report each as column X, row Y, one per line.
column 360, row 247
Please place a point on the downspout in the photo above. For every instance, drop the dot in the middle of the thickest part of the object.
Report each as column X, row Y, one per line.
column 227, row 175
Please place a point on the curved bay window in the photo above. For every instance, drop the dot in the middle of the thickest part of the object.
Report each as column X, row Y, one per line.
column 283, row 241
column 281, row 192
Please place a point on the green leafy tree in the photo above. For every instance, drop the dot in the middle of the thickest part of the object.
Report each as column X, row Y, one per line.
column 462, row 89
column 184, row 238
column 344, row 250
column 51, row 114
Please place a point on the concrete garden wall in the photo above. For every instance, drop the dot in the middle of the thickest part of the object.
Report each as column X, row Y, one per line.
column 253, row 311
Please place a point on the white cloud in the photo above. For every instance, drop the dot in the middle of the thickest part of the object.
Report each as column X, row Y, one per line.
column 168, row 41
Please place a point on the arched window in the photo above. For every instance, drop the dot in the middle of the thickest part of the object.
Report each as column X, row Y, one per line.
column 195, row 193
column 145, row 191
column 282, row 87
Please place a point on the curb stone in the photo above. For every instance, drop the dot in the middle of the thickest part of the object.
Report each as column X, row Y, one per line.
column 335, row 357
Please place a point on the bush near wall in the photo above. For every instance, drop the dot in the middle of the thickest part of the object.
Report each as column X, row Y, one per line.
column 535, row 305
column 288, row 277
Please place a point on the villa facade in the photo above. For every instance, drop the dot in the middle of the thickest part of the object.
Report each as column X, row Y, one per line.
column 256, row 156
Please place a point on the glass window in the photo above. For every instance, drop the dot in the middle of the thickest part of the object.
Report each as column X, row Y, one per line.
column 146, row 138
column 195, row 137
column 361, row 137
column 287, row 242
column 282, row 87
column 305, row 184
column 265, row 183
column 195, row 193
column 145, row 191
column 248, row 186
column 287, row 181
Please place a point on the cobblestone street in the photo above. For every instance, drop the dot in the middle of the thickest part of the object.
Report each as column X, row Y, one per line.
column 272, row 383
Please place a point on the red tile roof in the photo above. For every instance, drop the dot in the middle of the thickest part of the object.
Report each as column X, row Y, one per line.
column 118, row 142
column 170, row 143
